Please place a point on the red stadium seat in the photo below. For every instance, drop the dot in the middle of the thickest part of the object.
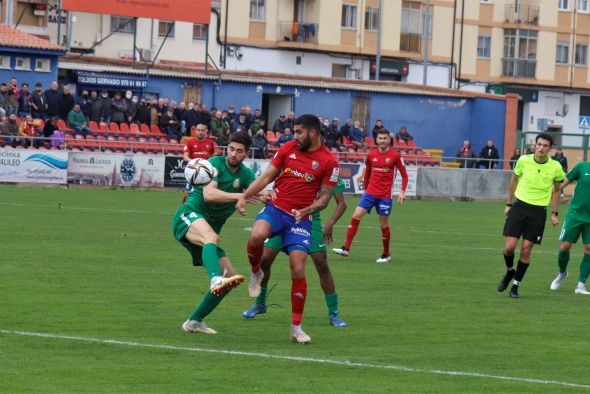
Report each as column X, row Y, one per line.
column 155, row 130
column 134, row 128
column 144, row 129
column 91, row 142
column 104, row 128
column 114, row 128
column 61, row 125
column 124, row 127
column 93, row 126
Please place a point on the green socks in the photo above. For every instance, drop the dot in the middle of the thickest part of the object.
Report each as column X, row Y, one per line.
column 562, row 259
column 332, row 303
column 584, row 268
column 261, row 299
column 208, row 303
column 211, row 260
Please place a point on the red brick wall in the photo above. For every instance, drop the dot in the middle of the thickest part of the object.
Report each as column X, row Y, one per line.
column 510, row 127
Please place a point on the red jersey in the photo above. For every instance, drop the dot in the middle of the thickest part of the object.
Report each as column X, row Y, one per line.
column 199, row 149
column 302, row 173
column 380, row 171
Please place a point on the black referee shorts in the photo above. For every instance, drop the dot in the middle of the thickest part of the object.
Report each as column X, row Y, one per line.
column 526, row 220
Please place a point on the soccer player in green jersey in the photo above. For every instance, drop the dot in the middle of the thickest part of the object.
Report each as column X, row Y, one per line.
column 576, row 223
column 535, row 182
column 319, row 238
column 198, row 222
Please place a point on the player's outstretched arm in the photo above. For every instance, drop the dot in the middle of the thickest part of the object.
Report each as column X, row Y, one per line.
column 337, row 214
column 320, row 203
column 256, row 187
column 511, row 190
column 214, row 195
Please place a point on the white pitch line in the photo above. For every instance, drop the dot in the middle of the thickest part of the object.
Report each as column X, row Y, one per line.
column 297, row 358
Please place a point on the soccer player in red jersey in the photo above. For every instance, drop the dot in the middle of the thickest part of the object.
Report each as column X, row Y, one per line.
column 380, row 171
column 305, row 174
column 198, row 147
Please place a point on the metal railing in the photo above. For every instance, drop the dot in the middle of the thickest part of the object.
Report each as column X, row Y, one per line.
column 294, row 31
column 521, row 14
column 575, row 141
column 524, row 68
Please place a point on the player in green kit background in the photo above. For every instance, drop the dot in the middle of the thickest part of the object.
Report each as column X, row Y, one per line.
column 198, row 222
column 319, row 238
column 577, row 222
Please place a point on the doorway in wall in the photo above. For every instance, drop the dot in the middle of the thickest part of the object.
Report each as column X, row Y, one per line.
column 273, row 105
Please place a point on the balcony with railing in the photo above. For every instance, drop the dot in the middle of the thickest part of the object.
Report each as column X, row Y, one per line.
column 298, row 32
column 521, row 14
column 519, row 68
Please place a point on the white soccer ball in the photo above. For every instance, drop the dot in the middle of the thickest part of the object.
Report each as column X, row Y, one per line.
column 199, row 172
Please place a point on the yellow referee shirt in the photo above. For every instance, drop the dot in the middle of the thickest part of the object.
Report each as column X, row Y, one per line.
column 535, row 182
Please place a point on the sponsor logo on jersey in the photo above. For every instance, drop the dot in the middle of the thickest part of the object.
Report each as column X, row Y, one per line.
column 374, row 159
column 300, row 231
column 292, row 156
column 388, row 160
column 236, row 183
column 306, row 176
column 315, row 164
column 382, row 169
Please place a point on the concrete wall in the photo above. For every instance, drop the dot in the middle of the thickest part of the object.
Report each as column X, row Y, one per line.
column 462, row 183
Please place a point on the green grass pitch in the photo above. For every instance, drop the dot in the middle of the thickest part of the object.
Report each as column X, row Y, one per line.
column 93, row 290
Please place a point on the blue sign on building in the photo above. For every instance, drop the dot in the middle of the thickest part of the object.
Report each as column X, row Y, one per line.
column 123, row 82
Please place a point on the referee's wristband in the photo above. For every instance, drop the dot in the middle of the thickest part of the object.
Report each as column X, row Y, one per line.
column 508, row 205
column 555, row 213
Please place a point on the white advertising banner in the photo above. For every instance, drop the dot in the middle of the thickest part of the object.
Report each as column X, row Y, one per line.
column 140, row 170
column 91, row 168
column 33, row 166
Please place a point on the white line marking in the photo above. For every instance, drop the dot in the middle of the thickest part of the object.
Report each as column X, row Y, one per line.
column 296, row 358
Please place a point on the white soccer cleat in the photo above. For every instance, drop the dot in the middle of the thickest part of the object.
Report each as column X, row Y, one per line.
column 341, row 251
column 254, row 285
column 221, row 283
column 581, row 289
column 298, row 335
column 558, row 280
column 383, row 259
column 194, row 326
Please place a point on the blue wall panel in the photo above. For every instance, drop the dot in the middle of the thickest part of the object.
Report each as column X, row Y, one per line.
column 488, row 121
column 31, row 77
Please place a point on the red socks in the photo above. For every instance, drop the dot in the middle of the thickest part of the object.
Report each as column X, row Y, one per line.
column 351, row 232
column 255, row 256
column 385, row 237
column 184, row 198
column 298, row 295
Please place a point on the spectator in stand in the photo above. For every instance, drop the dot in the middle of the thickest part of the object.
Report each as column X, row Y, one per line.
column 180, row 113
column 119, row 107
column 223, row 138
column 240, row 124
column 465, row 156
column 257, row 115
column 231, row 114
column 531, row 149
column 143, row 112
column 290, row 122
column 101, row 108
column 514, row 158
column 38, row 103
column 356, row 135
column 3, row 100
column 77, row 121
column 403, row 135
column 218, row 124
column 169, row 124
column 249, row 117
column 154, row 114
column 132, row 107
column 333, row 135
column 280, row 124
column 191, row 116
column 324, row 125
column 10, row 128
column 12, row 102
column 14, row 86
column 285, row 137
column 345, row 129
column 85, row 103
column 489, row 155
column 50, row 127
column 27, row 128
column 24, row 101
column 205, row 116
column 52, row 96
column 65, row 102
column 561, row 159
column 259, row 146
column 378, row 126
column 257, row 125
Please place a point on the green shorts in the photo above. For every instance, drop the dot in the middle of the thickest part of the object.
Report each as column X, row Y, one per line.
column 317, row 239
column 572, row 229
column 182, row 220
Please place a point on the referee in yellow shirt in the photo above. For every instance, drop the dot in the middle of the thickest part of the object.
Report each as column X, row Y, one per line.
column 536, row 176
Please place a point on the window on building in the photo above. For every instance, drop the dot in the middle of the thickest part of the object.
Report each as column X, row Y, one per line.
column 483, row 46
column 520, row 53
column 339, row 70
column 564, row 5
column 349, row 16
column 581, row 54
column 584, row 5
column 410, row 32
column 22, row 63
column 485, row 1
column 43, row 65
column 584, row 105
column 164, row 27
column 4, row 61
column 199, row 32
column 563, row 52
column 257, row 10
column 122, row 24
column 372, row 19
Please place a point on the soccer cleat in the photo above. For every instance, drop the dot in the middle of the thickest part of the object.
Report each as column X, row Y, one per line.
column 558, row 280
column 254, row 285
column 514, row 292
column 256, row 309
column 221, row 283
column 581, row 289
column 298, row 335
column 505, row 281
column 197, row 327
column 341, row 251
column 383, row 259
column 335, row 320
